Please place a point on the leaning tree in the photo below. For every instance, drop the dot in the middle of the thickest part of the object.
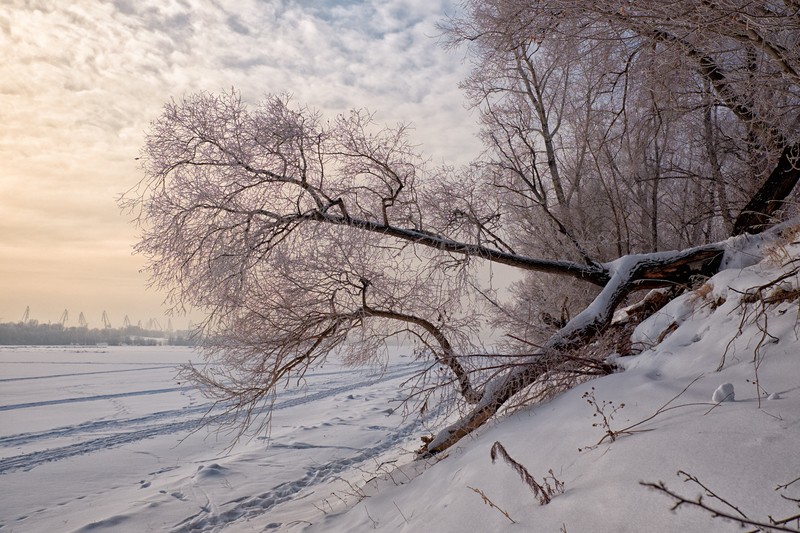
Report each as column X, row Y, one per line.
column 604, row 120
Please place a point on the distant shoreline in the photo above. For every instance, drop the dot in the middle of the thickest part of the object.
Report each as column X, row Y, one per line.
column 32, row 333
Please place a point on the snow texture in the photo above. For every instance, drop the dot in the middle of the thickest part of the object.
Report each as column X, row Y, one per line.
column 107, row 440
column 724, row 393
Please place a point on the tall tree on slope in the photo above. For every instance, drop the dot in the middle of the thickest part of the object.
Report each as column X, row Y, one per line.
column 301, row 236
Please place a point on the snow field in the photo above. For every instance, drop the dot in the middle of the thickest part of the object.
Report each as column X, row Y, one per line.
column 93, row 442
column 107, row 440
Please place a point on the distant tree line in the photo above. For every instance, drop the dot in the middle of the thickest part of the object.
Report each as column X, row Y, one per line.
column 34, row 333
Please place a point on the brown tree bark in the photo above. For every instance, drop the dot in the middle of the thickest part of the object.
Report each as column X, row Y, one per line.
column 757, row 214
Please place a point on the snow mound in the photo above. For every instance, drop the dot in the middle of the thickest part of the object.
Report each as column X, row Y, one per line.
column 724, row 393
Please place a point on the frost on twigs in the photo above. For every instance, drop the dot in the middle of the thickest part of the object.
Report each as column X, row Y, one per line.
column 301, row 237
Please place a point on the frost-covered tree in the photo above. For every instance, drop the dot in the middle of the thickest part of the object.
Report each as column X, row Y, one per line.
column 621, row 127
column 301, row 236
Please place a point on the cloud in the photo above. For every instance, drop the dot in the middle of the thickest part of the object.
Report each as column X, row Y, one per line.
column 81, row 80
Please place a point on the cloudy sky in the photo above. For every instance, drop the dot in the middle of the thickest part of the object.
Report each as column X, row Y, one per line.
column 81, row 80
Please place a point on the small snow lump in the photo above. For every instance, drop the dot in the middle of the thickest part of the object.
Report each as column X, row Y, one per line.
column 724, row 393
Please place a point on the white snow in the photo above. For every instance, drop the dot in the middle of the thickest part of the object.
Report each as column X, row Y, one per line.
column 107, row 440
column 724, row 393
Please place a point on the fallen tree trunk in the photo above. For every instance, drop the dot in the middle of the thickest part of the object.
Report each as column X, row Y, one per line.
column 628, row 273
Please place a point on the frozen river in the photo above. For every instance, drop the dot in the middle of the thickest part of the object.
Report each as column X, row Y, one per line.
column 107, row 439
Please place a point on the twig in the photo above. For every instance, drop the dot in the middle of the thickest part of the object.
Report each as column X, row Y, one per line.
column 739, row 517
column 374, row 522
column 786, row 486
column 709, row 492
column 401, row 512
column 491, row 504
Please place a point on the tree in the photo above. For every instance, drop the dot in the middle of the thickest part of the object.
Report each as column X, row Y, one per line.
column 603, row 153
column 301, row 236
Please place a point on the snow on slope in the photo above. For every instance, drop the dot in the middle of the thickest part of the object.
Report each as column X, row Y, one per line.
column 109, row 441
column 741, row 450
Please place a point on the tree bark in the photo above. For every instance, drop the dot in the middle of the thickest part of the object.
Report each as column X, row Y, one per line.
column 447, row 357
column 756, row 215
column 593, row 273
column 629, row 273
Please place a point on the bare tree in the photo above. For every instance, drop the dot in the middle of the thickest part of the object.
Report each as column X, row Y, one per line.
column 301, row 236
column 599, row 117
column 741, row 54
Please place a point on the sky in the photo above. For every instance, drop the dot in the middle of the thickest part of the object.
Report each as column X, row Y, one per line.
column 80, row 82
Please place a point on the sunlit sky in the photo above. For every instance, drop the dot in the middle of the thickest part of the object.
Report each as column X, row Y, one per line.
column 80, row 81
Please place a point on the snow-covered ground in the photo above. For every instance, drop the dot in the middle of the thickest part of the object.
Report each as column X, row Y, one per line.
column 107, row 440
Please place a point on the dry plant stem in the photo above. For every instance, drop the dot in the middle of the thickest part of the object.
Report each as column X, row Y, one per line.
column 374, row 522
column 665, row 407
column 401, row 512
column 491, row 504
column 600, row 410
column 758, row 316
column 786, row 485
column 613, row 434
column 542, row 493
column 739, row 517
column 355, row 491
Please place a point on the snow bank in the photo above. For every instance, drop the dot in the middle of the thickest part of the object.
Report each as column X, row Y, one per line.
column 110, row 442
column 742, row 449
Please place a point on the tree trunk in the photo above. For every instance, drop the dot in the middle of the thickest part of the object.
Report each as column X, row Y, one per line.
column 628, row 273
column 756, row 215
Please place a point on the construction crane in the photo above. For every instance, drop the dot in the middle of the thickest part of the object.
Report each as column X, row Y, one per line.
column 82, row 321
column 126, row 323
column 106, row 321
column 64, row 317
column 26, row 315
